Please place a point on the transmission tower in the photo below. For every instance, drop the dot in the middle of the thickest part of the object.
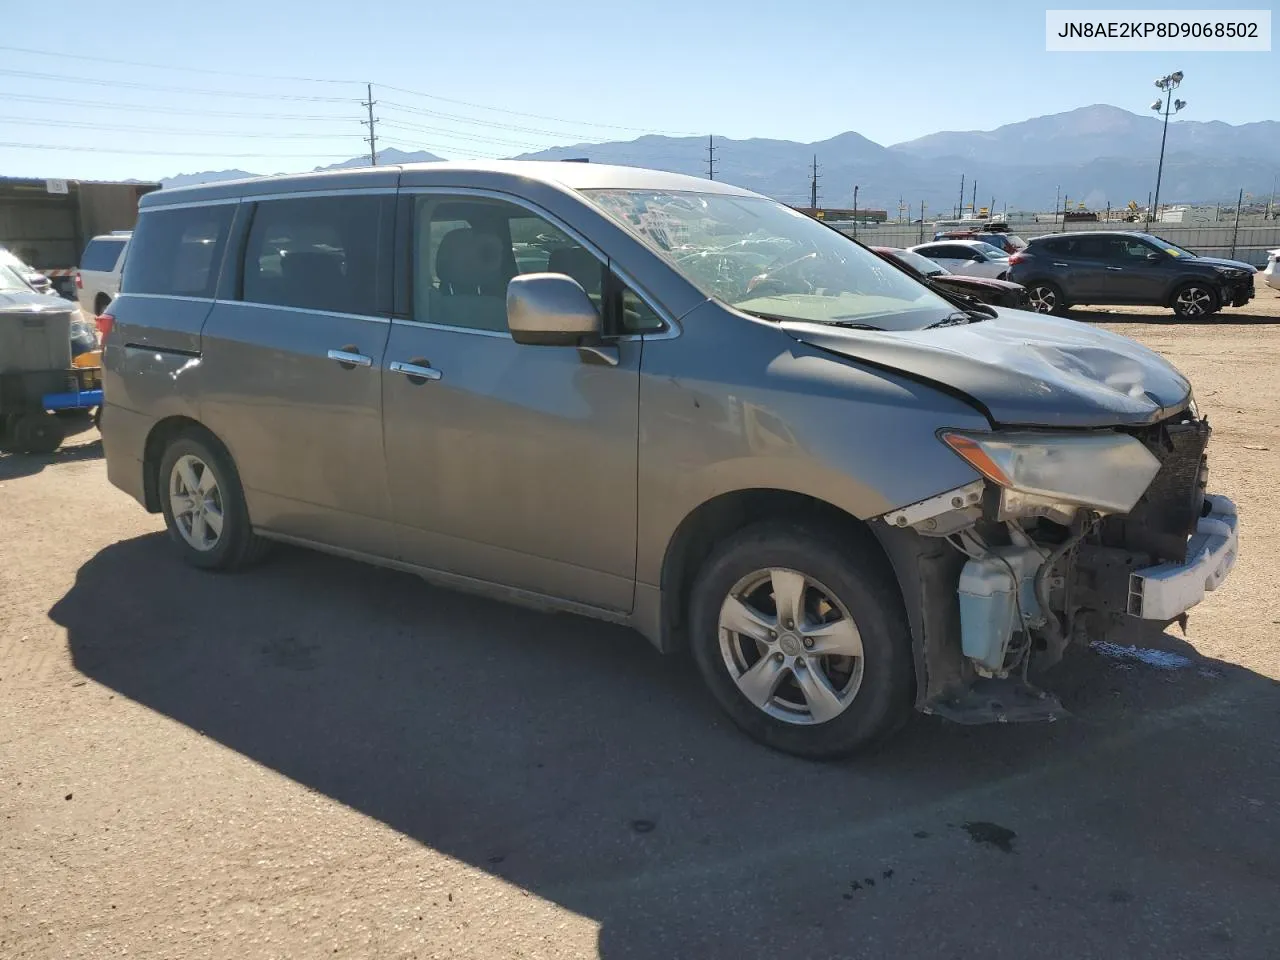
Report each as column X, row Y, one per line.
column 711, row 157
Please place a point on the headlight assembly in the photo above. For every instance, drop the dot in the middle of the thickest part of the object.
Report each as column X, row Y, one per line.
column 1106, row 472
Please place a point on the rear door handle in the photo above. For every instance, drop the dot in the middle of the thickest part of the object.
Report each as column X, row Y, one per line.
column 417, row 372
column 1056, row 264
column 349, row 359
column 1116, row 269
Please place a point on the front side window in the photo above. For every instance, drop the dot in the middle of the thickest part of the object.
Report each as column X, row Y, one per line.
column 177, row 252
column 102, row 255
column 772, row 261
column 315, row 253
column 467, row 249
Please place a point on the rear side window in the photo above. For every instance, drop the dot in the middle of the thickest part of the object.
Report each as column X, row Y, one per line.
column 102, row 255
column 177, row 252
column 315, row 253
column 1059, row 246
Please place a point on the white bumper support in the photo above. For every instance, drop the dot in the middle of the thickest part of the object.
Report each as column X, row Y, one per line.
column 1164, row 591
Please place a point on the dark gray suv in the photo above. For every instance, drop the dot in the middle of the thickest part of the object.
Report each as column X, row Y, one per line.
column 664, row 402
column 1115, row 267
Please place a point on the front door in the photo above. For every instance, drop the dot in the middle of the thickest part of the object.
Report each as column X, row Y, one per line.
column 292, row 366
column 509, row 464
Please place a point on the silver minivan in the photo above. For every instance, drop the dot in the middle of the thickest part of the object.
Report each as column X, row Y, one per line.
column 665, row 402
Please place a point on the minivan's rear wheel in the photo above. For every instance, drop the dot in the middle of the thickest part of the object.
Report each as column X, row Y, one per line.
column 203, row 505
column 802, row 642
column 1046, row 298
column 1195, row 301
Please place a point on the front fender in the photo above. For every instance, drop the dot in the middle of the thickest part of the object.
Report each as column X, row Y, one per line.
column 736, row 404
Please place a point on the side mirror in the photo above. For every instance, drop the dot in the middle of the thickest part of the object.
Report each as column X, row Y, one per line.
column 551, row 309
column 1154, row 257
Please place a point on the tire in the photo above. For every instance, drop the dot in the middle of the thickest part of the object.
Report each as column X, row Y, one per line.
column 100, row 305
column 873, row 693
column 231, row 546
column 38, row 432
column 97, row 417
column 1195, row 301
column 1046, row 297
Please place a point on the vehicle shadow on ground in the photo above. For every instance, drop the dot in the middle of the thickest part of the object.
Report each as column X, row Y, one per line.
column 15, row 465
column 1167, row 318
column 566, row 757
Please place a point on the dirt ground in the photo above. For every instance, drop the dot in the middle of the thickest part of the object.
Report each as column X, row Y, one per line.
column 325, row 759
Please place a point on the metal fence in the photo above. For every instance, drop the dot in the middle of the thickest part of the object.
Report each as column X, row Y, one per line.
column 1250, row 243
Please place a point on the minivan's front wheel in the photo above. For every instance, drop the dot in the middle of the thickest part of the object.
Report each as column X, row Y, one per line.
column 1046, row 298
column 1195, row 301
column 802, row 642
column 204, row 506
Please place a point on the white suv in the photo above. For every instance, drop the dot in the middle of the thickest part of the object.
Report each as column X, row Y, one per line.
column 1272, row 272
column 98, row 280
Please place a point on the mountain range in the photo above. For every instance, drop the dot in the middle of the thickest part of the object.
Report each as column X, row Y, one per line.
column 1098, row 154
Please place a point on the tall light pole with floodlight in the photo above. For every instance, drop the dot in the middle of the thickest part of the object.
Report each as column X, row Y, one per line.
column 1168, row 105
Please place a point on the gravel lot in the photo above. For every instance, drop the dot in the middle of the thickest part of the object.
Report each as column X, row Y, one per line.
column 321, row 758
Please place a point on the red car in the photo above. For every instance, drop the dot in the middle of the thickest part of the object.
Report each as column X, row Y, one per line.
column 998, row 293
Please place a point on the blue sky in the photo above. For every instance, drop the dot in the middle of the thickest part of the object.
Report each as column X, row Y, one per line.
column 591, row 71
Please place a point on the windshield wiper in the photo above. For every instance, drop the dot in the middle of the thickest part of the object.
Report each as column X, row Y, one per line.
column 954, row 320
column 851, row 325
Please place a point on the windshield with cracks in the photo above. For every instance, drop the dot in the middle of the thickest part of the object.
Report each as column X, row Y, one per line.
column 771, row 261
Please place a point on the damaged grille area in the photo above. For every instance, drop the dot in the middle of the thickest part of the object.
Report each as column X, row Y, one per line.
column 1166, row 516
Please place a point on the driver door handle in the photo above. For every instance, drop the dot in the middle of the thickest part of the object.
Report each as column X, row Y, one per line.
column 1116, row 269
column 348, row 358
column 416, row 372
column 1057, row 264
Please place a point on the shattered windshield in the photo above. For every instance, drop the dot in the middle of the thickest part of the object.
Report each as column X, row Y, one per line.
column 771, row 261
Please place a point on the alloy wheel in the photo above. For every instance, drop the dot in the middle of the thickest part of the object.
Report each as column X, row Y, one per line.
column 1043, row 299
column 791, row 646
column 196, row 502
column 1193, row 302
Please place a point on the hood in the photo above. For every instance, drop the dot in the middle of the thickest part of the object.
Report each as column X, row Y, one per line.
column 1219, row 262
column 29, row 301
column 1022, row 368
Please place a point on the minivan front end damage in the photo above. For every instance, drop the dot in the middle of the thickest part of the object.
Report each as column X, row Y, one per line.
column 1068, row 535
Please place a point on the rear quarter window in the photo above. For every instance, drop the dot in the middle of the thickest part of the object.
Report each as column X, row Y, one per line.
column 177, row 252
column 102, row 255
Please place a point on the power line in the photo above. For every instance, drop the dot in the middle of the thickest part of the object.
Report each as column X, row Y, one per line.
column 161, row 66
column 132, row 128
column 419, row 145
column 267, row 76
column 186, row 112
column 399, row 125
column 535, row 116
column 174, row 153
column 495, row 124
column 150, row 88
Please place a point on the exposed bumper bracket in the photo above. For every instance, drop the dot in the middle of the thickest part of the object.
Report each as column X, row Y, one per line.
column 1164, row 591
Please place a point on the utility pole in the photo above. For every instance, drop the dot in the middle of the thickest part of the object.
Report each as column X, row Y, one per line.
column 711, row 157
column 372, row 138
column 855, row 211
column 813, row 186
column 973, row 205
column 1236, row 232
column 960, row 208
column 1057, row 201
column 921, row 221
column 1168, row 85
column 1271, row 204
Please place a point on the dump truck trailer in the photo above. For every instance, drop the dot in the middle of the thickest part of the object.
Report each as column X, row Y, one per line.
column 47, row 223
